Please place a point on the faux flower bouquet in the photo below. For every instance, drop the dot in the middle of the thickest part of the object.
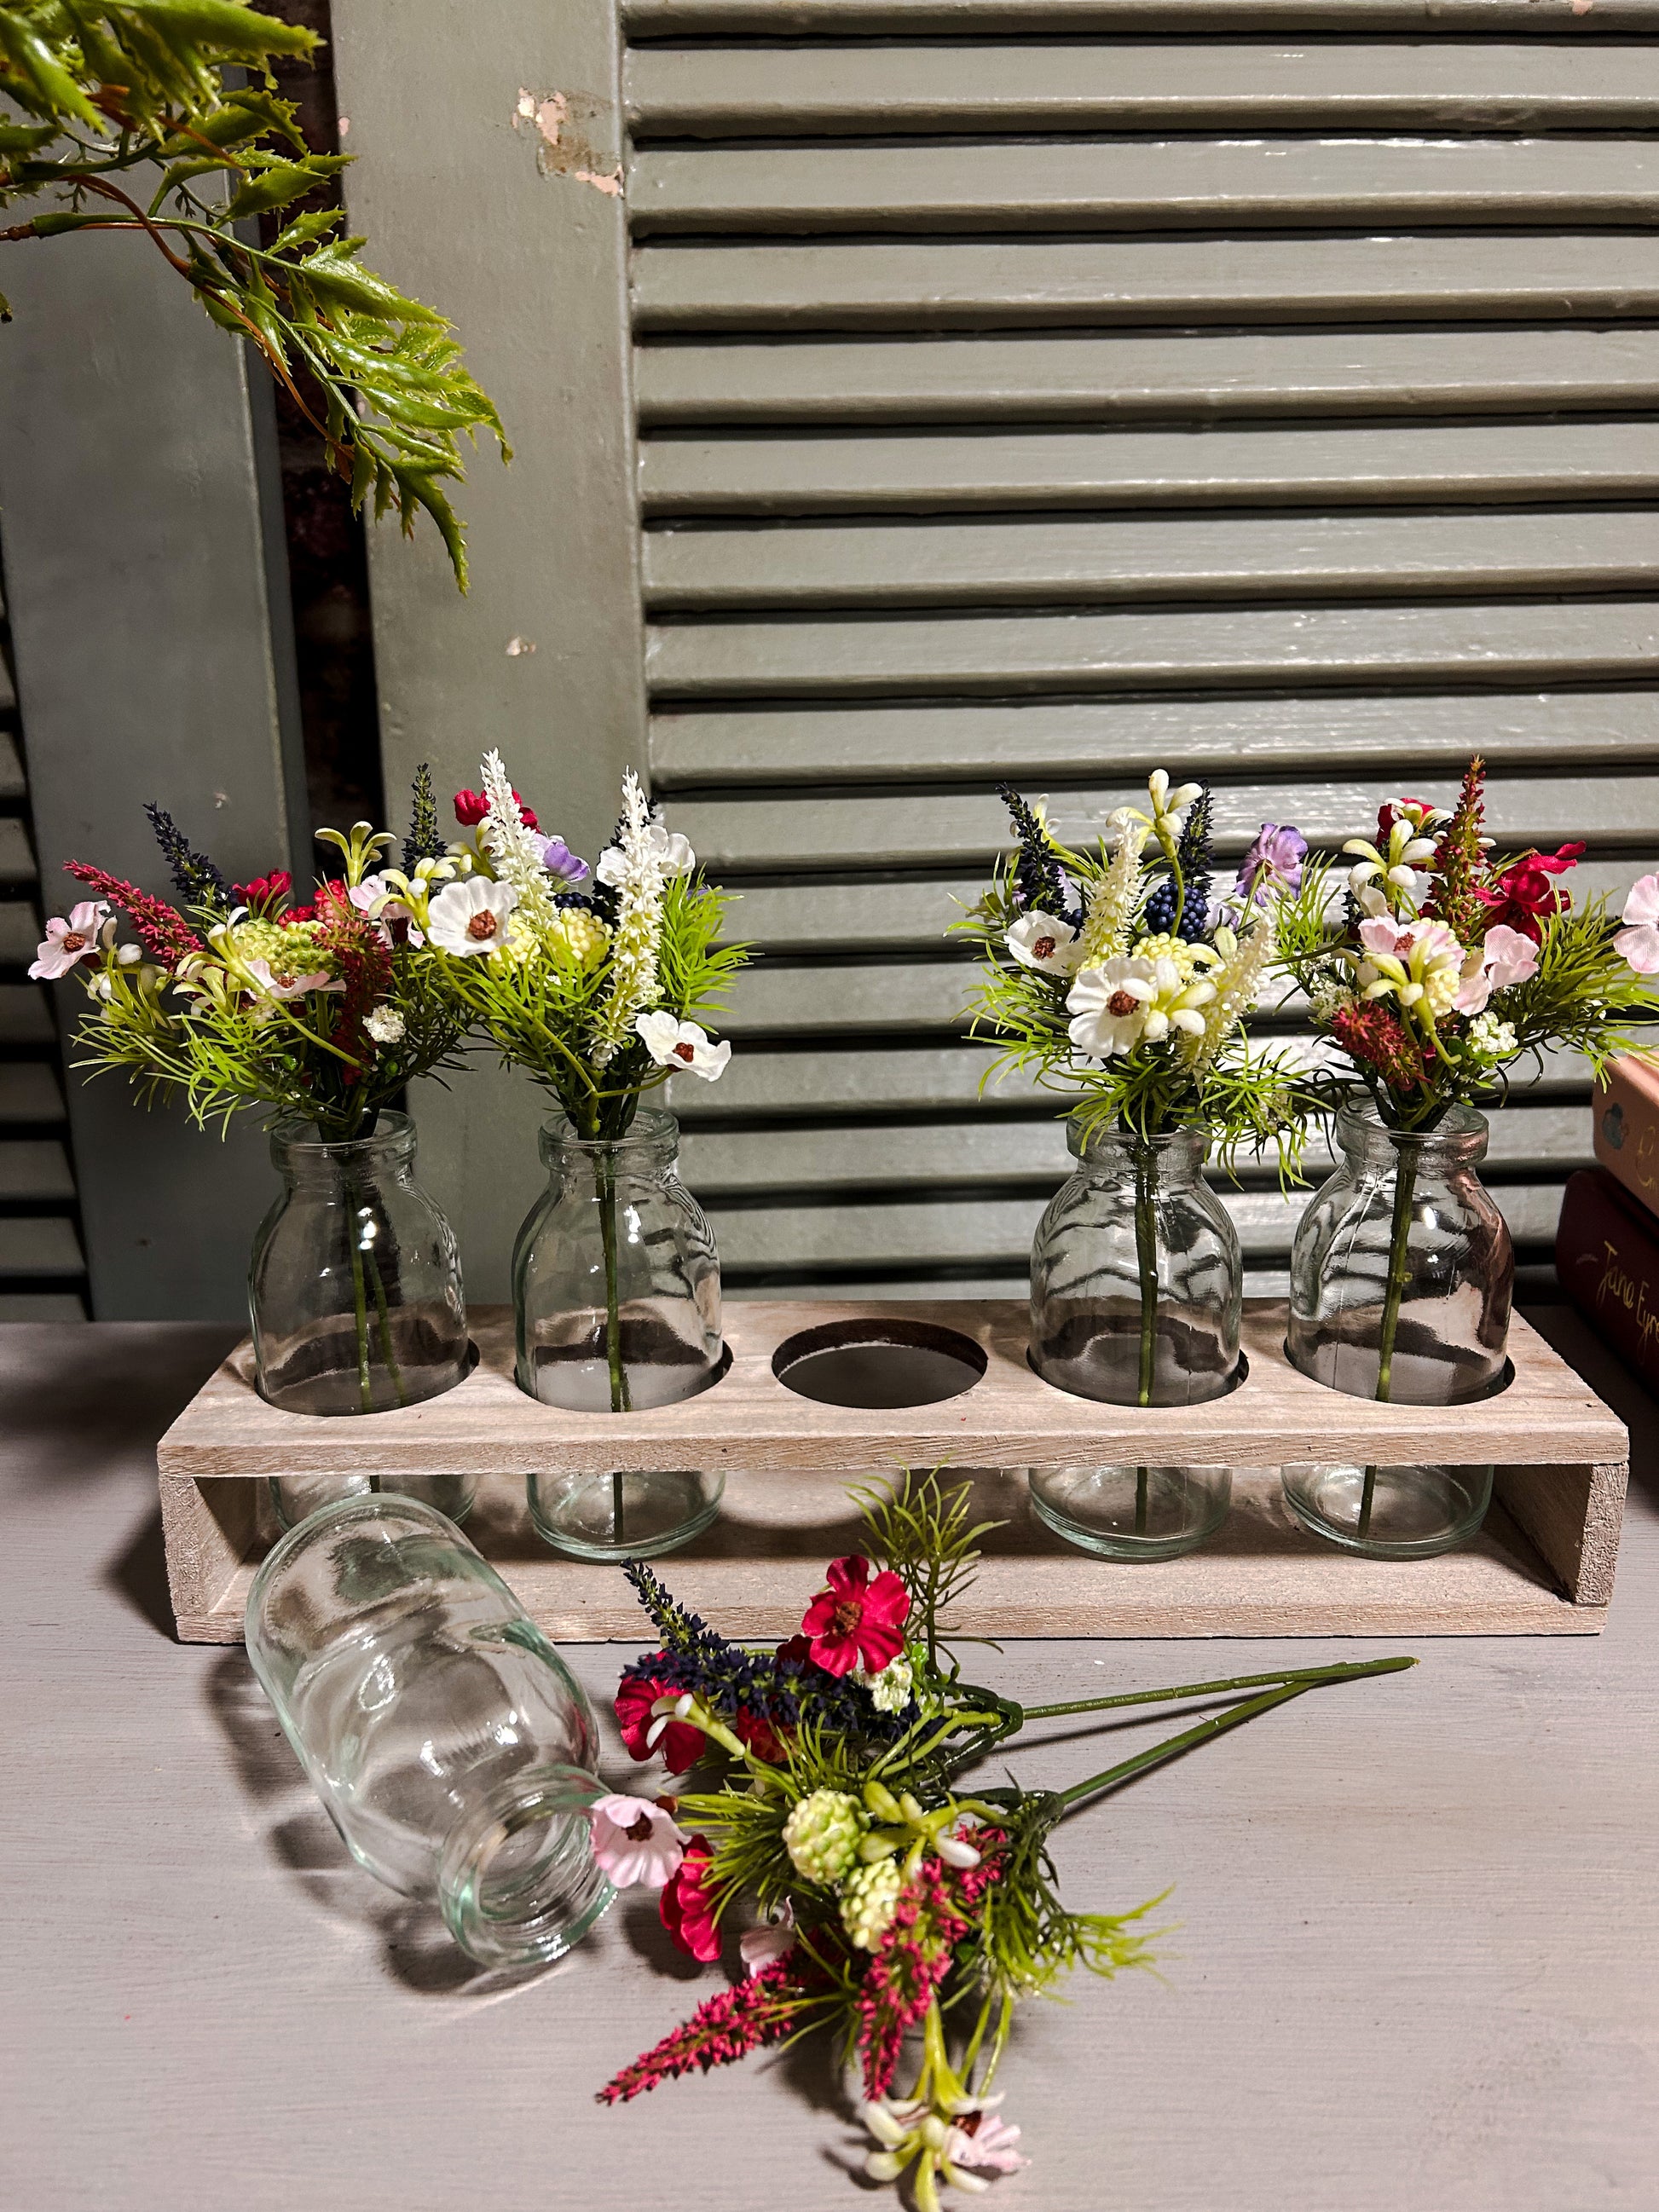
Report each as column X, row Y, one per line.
column 1119, row 978
column 1444, row 963
column 587, row 978
column 239, row 998
column 886, row 1902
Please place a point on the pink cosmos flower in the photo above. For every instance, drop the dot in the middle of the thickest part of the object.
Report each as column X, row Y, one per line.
column 286, row 985
column 1506, row 957
column 978, row 2137
column 1637, row 943
column 67, row 943
column 763, row 1947
column 376, row 897
column 635, row 1841
column 858, row 1621
column 685, row 1910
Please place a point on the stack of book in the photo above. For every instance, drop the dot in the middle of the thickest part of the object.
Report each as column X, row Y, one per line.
column 1607, row 1246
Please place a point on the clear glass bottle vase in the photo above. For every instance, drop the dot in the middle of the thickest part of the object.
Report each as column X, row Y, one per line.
column 355, row 1284
column 1401, row 1277
column 1137, row 1280
column 449, row 1744
column 1402, row 1270
column 616, row 1302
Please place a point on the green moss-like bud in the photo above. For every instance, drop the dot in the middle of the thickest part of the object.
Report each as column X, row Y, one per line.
column 821, row 1835
column 867, row 1902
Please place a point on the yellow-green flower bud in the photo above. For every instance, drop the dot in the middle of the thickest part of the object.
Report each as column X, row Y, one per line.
column 868, row 1902
column 821, row 1835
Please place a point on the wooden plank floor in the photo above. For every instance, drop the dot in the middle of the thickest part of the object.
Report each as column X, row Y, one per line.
column 1411, row 1966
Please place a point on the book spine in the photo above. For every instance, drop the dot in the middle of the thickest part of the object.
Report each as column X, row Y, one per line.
column 1606, row 1257
column 1627, row 1117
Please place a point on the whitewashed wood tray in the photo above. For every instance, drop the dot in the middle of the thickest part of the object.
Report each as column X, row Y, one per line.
column 1543, row 1566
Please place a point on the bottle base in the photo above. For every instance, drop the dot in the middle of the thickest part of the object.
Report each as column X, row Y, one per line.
column 1389, row 1512
column 295, row 1497
column 1132, row 1513
column 625, row 1515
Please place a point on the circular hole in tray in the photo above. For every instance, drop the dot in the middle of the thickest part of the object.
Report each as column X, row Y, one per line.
column 878, row 1365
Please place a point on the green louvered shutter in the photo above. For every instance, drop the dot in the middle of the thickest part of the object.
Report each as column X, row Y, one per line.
column 42, row 1272
column 1271, row 396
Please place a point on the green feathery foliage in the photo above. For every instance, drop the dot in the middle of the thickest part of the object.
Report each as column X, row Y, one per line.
column 123, row 91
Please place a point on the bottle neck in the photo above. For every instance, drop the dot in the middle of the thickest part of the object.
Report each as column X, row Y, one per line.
column 517, row 1879
column 1456, row 1142
column 301, row 1155
column 1170, row 1161
column 650, row 1146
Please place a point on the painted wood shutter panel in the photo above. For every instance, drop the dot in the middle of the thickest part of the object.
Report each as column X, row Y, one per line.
column 1056, row 389
column 42, row 1271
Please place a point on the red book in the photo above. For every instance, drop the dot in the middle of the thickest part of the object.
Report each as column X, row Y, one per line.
column 1628, row 1126
column 1606, row 1255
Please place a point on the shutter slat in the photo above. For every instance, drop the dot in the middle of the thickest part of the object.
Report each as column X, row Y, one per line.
column 1422, row 465
column 35, row 1169
column 898, row 830
column 38, row 1244
column 960, row 19
column 29, row 1092
column 20, row 933
column 860, row 1081
column 1143, row 649
column 862, row 917
column 1535, row 1138
column 1140, row 184
column 25, row 1015
column 1201, row 374
column 1052, row 560
column 966, row 743
column 16, row 854
column 946, row 1232
column 787, row 91
column 1526, row 277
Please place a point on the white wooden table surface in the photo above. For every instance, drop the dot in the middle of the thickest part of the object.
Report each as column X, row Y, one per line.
column 1414, row 1970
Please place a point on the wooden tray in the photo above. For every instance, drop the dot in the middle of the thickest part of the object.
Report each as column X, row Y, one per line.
column 1543, row 1565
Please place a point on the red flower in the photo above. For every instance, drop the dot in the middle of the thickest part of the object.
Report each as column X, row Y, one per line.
column 264, row 890
column 1393, row 810
column 857, row 1622
column 759, row 1736
column 1525, row 892
column 472, row 807
column 685, row 1909
column 680, row 1744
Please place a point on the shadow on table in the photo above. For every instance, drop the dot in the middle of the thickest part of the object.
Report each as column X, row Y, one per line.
column 139, row 1574
column 77, row 1405
column 417, row 1949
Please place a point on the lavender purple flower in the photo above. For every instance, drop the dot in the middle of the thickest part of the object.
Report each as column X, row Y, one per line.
column 1276, row 857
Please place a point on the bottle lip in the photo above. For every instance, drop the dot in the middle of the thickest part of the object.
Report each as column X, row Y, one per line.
column 652, row 1130
column 1461, row 1129
column 295, row 1142
column 1107, row 1142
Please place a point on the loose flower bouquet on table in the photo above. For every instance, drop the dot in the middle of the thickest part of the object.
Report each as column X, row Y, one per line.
column 239, row 998
column 886, row 1901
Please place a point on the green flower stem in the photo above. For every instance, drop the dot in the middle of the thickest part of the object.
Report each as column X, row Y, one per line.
column 1146, row 1261
column 1216, row 1725
column 1310, row 1675
column 605, row 1172
column 387, row 1351
column 1405, row 1189
column 358, row 1300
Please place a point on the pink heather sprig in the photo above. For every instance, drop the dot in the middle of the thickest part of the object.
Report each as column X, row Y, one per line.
column 937, row 1908
column 728, row 2025
column 162, row 929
